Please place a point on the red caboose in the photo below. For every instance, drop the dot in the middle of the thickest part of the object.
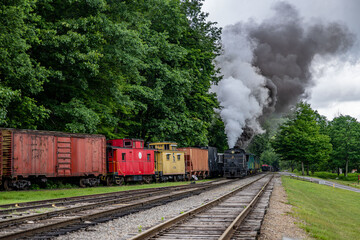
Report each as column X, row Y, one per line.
column 128, row 160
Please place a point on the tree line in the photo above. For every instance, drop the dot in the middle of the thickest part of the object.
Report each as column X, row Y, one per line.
column 139, row 68
column 308, row 141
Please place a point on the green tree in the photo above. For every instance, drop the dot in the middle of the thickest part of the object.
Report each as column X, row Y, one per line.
column 299, row 139
column 21, row 76
column 174, row 102
column 270, row 157
column 217, row 136
column 345, row 134
column 139, row 68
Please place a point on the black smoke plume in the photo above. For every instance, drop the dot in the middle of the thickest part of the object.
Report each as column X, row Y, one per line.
column 266, row 67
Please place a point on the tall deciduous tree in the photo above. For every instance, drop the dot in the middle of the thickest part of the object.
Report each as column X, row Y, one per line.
column 345, row 134
column 300, row 140
column 21, row 76
column 140, row 68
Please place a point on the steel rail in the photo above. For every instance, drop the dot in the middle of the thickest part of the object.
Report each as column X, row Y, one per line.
column 228, row 233
column 46, row 215
column 92, row 198
column 168, row 224
column 16, row 206
column 77, row 220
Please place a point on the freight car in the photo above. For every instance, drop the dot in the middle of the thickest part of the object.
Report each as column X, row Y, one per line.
column 28, row 156
column 235, row 165
column 196, row 162
column 129, row 161
column 253, row 163
column 169, row 162
column 35, row 156
column 215, row 162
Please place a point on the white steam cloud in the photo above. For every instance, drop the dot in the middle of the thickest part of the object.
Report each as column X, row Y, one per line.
column 241, row 93
column 266, row 67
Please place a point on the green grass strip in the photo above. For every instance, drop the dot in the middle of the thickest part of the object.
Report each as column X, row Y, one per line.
column 329, row 213
column 27, row 196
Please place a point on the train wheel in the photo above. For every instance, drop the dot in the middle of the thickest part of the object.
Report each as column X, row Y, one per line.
column 109, row 181
column 82, row 182
column 119, row 181
column 7, row 185
column 147, row 179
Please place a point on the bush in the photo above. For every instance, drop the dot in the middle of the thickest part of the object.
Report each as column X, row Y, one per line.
column 34, row 186
column 51, row 185
column 58, row 185
column 327, row 175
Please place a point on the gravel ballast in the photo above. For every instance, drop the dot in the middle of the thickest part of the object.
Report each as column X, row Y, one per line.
column 278, row 223
column 125, row 227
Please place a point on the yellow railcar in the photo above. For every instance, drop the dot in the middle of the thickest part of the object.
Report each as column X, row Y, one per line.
column 169, row 162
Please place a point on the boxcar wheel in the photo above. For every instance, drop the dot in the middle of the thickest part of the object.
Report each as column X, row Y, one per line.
column 7, row 185
column 82, row 182
column 109, row 181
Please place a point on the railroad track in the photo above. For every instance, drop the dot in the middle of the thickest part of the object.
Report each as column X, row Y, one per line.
column 53, row 204
column 222, row 218
column 54, row 223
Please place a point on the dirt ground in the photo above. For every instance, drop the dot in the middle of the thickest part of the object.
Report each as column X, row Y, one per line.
column 278, row 224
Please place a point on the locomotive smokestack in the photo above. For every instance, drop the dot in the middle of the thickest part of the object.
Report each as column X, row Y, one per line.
column 266, row 67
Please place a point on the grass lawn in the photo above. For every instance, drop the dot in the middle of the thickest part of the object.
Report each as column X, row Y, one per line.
column 329, row 213
column 27, row 196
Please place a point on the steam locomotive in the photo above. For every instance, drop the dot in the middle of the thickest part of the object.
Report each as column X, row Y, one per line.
column 238, row 163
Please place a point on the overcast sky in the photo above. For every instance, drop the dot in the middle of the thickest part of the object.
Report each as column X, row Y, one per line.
column 337, row 80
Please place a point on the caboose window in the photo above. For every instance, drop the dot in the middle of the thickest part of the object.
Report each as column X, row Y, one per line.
column 168, row 156
column 167, row 146
column 123, row 157
column 127, row 143
column 148, row 157
column 178, row 157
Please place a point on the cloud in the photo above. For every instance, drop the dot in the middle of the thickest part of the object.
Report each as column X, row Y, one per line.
column 337, row 88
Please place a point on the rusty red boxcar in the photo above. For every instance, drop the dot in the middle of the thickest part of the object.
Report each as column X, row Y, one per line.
column 196, row 162
column 32, row 155
column 129, row 161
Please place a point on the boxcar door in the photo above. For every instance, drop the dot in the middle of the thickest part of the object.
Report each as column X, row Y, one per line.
column 5, row 153
column 63, row 156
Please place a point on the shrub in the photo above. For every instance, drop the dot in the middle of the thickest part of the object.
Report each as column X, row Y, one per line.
column 327, row 175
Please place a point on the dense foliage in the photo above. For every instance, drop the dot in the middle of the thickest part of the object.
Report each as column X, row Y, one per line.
column 307, row 140
column 345, row 138
column 138, row 69
column 299, row 139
